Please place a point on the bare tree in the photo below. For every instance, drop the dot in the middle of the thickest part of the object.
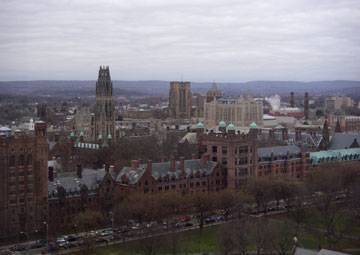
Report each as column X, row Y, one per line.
column 260, row 190
column 260, row 234
column 240, row 235
column 224, row 240
column 203, row 204
column 281, row 241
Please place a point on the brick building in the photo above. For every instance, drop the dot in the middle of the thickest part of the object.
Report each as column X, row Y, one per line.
column 235, row 151
column 283, row 160
column 23, row 181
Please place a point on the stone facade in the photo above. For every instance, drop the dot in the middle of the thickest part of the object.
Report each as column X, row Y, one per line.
column 83, row 123
column 180, row 100
column 240, row 112
column 23, row 182
column 104, row 124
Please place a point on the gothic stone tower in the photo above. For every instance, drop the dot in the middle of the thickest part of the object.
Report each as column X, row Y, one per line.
column 104, row 106
column 180, row 100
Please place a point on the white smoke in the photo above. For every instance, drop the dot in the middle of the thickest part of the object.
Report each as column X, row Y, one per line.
column 274, row 101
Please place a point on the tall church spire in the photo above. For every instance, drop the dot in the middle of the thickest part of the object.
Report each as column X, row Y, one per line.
column 104, row 105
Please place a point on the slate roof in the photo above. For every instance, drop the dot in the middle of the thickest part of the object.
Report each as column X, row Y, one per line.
column 290, row 151
column 316, row 139
column 334, row 156
column 164, row 169
column 342, row 140
column 71, row 183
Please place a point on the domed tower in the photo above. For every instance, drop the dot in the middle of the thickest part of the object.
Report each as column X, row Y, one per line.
column 213, row 94
column 104, row 105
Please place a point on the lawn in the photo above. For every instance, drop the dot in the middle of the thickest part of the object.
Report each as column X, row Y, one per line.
column 195, row 242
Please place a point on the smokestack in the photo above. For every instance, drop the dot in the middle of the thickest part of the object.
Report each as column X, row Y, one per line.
column 134, row 164
column 182, row 164
column 306, row 105
column 79, row 170
column 292, row 100
column 51, row 173
column 172, row 163
column 57, row 136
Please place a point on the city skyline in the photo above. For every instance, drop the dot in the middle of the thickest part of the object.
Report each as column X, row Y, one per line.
column 227, row 41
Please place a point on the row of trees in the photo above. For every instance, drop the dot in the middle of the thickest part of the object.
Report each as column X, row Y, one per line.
column 329, row 196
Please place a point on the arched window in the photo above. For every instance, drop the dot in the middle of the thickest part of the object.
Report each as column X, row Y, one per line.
column 21, row 160
column 29, row 160
column 12, row 161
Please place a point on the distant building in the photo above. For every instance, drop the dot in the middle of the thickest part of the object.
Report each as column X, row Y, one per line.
column 240, row 112
column 213, row 94
column 337, row 103
column 180, row 100
column 104, row 124
column 306, row 105
column 23, row 181
column 83, row 123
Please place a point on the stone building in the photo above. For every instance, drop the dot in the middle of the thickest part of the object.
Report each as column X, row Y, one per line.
column 104, row 123
column 23, row 181
column 83, row 123
column 180, row 100
column 241, row 112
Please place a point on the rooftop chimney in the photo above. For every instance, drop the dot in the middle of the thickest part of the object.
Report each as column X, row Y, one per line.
column 172, row 163
column 79, row 170
column 163, row 159
column 107, row 167
column 203, row 160
column 51, row 173
column 149, row 166
column 193, row 156
column 182, row 163
column 134, row 164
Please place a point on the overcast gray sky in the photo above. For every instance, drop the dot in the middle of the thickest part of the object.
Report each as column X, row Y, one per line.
column 205, row 40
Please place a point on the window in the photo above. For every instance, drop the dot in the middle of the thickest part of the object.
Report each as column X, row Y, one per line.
column 243, row 161
column 204, row 183
column 191, row 184
column 29, row 173
column 243, row 172
column 214, row 159
column 167, row 187
column 12, row 202
column 12, row 161
column 224, row 149
column 29, row 191
column 224, row 161
column 197, row 184
column 11, row 183
column 214, row 149
column 29, row 160
column 12, row 174
column 160, row 188
column 21, row 160
column 204, row 148
column 21, row 200
column 12, row 192
column 243, row 149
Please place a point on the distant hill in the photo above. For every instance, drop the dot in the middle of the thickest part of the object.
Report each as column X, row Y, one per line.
column 142, row 88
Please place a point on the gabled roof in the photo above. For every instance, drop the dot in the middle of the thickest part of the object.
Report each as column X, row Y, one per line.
column 163, row 169
column 342, row 140
column 190, row 137
column 71, row 183
column 278, row 150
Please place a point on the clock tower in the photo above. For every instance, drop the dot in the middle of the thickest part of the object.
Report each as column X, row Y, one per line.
column 104, row 124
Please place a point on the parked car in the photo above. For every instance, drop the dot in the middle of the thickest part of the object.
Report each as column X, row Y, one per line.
column 220, row 218
column 106, row 232
column 101, row 240
column 38, row 244
column 93, row 233
column 17, row 247
column 209, row 220
column 71, row 238
column 114, row 237
column 188, row 224
column 178, row 225
column 68, row 245
column 186, row 218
